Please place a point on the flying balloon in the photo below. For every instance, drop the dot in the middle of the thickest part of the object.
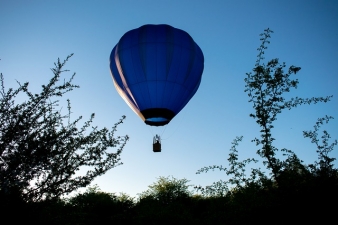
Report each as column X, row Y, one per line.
column 156, row 69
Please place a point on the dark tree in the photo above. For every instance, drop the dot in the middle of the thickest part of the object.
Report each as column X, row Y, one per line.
column 236, row 171
column 97, row 207
column 325, row 166
column 266, row 87
column 167, row 190
column 41, row 149
column 167, row 201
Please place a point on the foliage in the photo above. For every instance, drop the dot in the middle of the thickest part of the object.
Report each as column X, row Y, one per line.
column 167, row 201
column 95, row 206
column 41, row 149
column 236, row 171
column 325, row 164
column 167, row 190
column 266, row 88
column 94, row 195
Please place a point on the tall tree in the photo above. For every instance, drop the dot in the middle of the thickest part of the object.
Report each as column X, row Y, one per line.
column 41, row 149
column 266, row 87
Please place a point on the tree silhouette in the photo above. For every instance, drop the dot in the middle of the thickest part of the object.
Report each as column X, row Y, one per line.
column 325, row 163
column 41, row 149
column 167, row 201
column 266, row 88
column 95, row 206
column 167, row 190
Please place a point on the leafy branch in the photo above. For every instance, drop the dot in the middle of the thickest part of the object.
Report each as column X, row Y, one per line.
column 41, row 149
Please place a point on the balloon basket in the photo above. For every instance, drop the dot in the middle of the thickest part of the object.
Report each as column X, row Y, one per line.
column 157, row 144
column 157, row 147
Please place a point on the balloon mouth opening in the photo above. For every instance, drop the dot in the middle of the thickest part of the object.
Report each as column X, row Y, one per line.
column 157, row 116
column 157, row 121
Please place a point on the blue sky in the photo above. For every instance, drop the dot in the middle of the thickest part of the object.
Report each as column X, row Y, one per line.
column 35, row 33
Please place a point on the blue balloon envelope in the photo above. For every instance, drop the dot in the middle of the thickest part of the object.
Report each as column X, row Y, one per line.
column 156, row 69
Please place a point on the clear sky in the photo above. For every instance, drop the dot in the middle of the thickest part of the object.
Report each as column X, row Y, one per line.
column 33, row 34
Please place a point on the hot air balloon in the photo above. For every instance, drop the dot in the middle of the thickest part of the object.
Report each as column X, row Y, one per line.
column 156, row 69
